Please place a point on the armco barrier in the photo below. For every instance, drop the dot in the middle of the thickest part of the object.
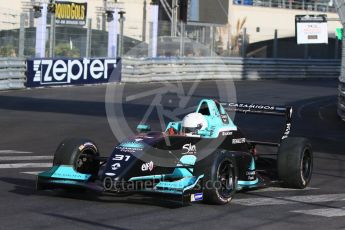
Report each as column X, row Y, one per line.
column 12, row 73
column 12, row 70
column 149, row 70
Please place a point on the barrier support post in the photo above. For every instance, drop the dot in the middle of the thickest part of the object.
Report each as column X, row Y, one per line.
column 88, row 37
column 52, row 35
column 21, row 36
column 41, row 29
column 113, row 24
column 244, row 41
column 182, row 34
column 121, row 37
column 153, row 42
column 275, row 44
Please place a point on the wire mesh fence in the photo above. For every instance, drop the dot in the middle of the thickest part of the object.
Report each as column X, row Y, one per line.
column 237, row 38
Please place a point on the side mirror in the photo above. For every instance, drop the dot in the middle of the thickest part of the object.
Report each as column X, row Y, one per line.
column 143, row 128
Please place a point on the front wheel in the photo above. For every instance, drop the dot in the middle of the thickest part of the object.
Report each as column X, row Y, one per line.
column 79, row 153
column 295, row 162
column 220, row 178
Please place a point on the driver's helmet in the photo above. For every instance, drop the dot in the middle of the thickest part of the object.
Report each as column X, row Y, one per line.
column 193, row 122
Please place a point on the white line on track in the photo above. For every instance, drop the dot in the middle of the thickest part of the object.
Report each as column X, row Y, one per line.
column 290, row 200
column 32, row 173
column 13, row 152
column 25, row 165
column 279, row 189
column 322, row 108
column 25, row 158
column 325, row 212
column 299, row 110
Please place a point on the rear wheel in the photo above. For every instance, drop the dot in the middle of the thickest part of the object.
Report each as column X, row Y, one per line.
column 220, row 178
column 295, row 162
column 80, row 153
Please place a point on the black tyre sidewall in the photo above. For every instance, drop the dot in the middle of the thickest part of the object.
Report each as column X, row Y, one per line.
column 210, row 169
column 290, row 157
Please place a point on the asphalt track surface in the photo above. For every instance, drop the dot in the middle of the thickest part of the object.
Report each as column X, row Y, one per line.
column 33, row 122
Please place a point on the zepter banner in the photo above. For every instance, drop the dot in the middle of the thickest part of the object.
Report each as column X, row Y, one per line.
column 47, row 72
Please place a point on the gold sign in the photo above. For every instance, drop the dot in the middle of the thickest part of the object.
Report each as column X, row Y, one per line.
column 70, row 13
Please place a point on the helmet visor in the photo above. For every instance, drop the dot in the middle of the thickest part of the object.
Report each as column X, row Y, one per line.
column 190, row 129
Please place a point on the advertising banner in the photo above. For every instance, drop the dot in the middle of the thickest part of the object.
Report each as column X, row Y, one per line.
column 209, row 12
column 53, row 72
column 70, row 13
column 311, row 29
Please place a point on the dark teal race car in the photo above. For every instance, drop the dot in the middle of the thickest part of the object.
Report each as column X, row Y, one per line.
column 203, row 157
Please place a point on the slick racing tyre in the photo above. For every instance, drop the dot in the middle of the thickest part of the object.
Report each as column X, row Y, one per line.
column 295, row 162
column 220, row 177
column 79, row 153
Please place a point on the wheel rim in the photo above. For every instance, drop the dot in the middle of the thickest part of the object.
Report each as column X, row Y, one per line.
column 85, row 162
column 306, row 165
column 226, row 180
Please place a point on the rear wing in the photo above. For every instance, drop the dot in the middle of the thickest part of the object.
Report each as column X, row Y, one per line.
column 272, row 110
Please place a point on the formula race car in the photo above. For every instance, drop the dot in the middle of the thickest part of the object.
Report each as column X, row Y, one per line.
column 203, row 157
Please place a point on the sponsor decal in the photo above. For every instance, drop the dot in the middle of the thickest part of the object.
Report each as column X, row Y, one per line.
column 44, row 72
column 225, row 118
column 287, row 131
column 119, row 157
column 147, row 166
column 110, row 174
column 238, row 141
column 87, row 144
column 70, row 13
column 228, row 133
column 251, row 175
column 196, row 197
column 132, row 144
column 115, row 166
column 191, row 149
column 251, row 106
column 128, row 149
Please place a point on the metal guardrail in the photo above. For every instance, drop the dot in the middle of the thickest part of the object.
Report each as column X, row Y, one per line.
column 148, row 70
column 12, row 70
column 12, row 73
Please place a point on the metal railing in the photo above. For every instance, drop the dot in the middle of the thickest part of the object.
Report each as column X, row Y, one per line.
column 12, row 73
column 310, row 5
column 214, row 68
